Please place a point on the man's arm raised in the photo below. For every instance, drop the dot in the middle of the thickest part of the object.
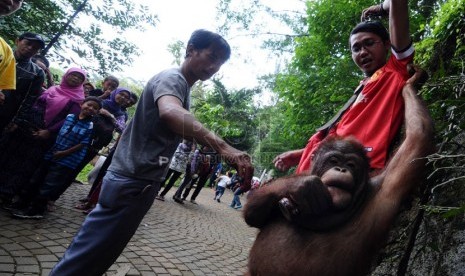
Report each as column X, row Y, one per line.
column 397, row 10
column 398, row 23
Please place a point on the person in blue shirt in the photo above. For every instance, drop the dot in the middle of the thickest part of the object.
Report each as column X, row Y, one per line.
column 52, row 178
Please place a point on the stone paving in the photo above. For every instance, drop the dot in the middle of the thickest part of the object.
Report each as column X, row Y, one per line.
column 173, row 239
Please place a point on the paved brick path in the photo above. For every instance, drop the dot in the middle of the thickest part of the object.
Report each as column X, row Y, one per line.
column 205, row 239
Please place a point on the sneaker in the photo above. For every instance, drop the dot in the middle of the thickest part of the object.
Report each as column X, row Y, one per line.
column 159, row 197
column 193, row 201
column 218, row 200
column 178, row 200
column 238, row 207
column 28, row 213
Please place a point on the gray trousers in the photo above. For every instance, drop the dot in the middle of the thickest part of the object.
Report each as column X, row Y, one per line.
column 122, row 205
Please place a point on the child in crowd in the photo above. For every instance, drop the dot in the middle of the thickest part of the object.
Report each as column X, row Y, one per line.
column 88, row 86
column 51, row 179
column 221, row 182
column 109, row 84
column 238, row 189
column 255, row 183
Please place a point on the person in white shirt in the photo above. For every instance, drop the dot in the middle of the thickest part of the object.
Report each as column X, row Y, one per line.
column 221, row 182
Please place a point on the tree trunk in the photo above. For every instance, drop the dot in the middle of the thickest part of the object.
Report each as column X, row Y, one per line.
column 65, row 27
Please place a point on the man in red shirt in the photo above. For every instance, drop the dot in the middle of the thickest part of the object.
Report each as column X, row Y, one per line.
column 375, row 115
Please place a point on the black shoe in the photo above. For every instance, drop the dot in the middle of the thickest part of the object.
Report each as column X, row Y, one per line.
column 218, row 200
column 178, row 200
column 28, row 213
column 159, row 197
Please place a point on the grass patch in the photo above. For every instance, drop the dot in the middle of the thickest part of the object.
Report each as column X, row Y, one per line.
column 82, row 176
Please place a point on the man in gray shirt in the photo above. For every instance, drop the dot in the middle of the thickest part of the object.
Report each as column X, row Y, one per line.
column 142, row 158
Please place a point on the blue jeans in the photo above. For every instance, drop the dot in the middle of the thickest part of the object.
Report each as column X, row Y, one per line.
column 122, row 205
column 236, row 202
column 57, row 180
column 48, row 182
column 219, row 192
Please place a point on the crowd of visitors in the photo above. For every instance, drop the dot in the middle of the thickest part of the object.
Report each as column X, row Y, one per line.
column 193, row 166
column 49, row 133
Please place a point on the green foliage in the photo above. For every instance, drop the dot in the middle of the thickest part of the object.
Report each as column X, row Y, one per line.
column 443, row 50
column 271, row 123
column 230, row 114
column 454, row 212
column 177, row 50
column 442, row 53
column 233, row 13
column 241, row 16
column 82, row 39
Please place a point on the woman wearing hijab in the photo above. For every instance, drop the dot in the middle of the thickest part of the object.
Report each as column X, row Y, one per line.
column 115, row 107
column 33, row 131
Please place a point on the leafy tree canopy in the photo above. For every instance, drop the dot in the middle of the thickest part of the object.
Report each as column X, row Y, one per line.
column 72, row 36
column 229, row 113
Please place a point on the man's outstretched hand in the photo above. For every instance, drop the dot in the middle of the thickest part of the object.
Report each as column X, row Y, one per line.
column 242, row 162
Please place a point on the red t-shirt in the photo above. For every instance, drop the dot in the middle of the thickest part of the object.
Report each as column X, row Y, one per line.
column 376, row 116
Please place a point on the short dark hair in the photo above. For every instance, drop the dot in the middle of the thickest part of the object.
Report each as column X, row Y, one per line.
column 375, row 27
column 202, row 39
column 95, row 99
column 134, row 96
column 112, row 78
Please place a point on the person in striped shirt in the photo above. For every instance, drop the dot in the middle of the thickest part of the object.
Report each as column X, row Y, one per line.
column 51, row 178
